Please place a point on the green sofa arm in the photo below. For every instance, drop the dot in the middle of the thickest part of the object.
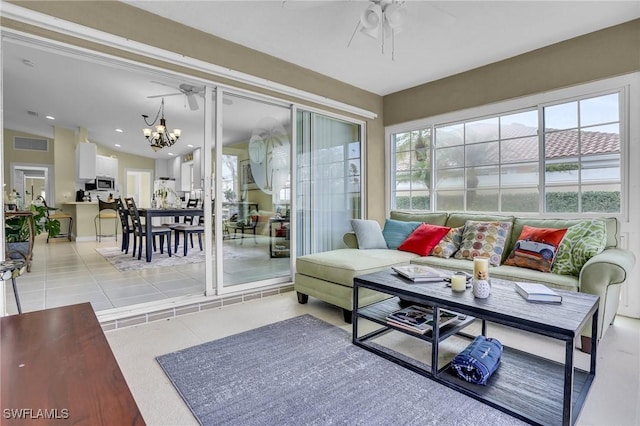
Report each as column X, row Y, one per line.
column 350, row 240
column 603, row 276
column 612, row 266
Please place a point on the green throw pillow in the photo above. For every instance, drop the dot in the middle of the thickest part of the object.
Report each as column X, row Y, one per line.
column 580, row 243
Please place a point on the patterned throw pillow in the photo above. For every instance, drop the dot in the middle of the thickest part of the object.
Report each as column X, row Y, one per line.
column 423, row 239
column 486, row 239
column 449, row 244
column 536, row 248
column 396, row 231
column 581, row 242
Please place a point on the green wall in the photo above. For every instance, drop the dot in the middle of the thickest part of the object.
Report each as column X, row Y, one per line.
column 606, row 53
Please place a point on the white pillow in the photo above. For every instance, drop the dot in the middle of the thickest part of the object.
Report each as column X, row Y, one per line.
column 369, row 234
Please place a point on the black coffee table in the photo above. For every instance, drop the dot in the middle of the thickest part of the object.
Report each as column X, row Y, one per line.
column 532, row 388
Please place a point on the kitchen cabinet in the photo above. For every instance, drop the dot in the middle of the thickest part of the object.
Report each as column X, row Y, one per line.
column 106, row 166
column 86, row 160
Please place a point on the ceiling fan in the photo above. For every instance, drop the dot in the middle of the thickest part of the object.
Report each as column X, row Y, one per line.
column 381, row 19
column 188, row 90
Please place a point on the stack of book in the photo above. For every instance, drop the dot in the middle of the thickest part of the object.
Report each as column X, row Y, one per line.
column 419, row 319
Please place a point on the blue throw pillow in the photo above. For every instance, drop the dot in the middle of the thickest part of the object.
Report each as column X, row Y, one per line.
column 369, row 234
column 396, row 231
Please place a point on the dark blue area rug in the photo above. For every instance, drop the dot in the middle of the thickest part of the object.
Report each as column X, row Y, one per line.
column 304, row 371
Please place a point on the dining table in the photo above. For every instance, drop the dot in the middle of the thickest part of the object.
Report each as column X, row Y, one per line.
column 150, row 213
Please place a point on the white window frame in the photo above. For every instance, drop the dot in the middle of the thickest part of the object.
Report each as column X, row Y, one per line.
column 628, row 85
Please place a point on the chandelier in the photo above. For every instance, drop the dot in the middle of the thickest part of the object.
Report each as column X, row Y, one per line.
column 380, row 20
column 161, row 137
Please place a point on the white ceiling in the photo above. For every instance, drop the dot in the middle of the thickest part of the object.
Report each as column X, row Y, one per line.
column 439, row 39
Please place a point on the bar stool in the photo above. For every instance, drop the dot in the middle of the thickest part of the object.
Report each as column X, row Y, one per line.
column 106, row 211
column 59, row 216
column 11, row 269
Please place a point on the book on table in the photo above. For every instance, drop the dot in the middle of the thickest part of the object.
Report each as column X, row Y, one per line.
column 420, row 273
column 535, row 292
column 419, row 319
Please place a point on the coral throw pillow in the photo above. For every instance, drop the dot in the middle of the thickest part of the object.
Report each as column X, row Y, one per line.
column 424, row 239
column 536, row 248
column 485, row 239
column 449, row 244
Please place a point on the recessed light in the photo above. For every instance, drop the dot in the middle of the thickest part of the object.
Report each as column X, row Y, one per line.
column 118, row 145
column 189, row 145
column 50, row 117
column 171, row 154
column 28, row 63
column 119, row 130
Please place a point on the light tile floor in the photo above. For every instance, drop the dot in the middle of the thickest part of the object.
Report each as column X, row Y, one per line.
column 66, row 272
column 613, row 399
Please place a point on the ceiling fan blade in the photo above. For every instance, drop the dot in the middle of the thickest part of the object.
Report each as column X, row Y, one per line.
column 168, row 94
column 193, row 102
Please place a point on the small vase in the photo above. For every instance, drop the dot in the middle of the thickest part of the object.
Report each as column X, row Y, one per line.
column 481, row 289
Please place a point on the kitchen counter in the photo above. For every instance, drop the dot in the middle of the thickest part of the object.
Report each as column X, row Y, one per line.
column 84, row 213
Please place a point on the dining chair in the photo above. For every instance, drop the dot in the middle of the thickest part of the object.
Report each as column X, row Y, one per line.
column 107, row 210
column 127, row 230
column 188, row 228
column 139, row 230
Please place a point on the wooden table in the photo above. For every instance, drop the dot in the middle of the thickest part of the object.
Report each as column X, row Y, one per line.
column 149, row 214
column 529, row 387
column 57, row 364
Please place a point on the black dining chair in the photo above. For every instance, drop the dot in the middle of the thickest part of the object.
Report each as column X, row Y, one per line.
column 127, row 230
column 139, row 230
column 188, row 228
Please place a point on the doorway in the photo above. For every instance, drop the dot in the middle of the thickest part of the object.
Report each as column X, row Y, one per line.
column 32, row 180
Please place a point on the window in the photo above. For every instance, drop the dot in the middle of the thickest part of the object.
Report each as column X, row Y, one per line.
column 503, row 162
column 412, row 171
column 582, row 155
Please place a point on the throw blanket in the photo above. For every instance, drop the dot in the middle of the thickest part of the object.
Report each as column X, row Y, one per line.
column 479, row 360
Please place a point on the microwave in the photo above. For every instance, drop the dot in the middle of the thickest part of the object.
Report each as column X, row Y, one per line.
column 105, row 184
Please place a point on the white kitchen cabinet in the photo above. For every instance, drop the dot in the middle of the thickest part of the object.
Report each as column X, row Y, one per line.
column 86, row 154
column 106, row 166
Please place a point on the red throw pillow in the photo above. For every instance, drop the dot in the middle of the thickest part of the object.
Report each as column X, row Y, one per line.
column 424, row 238
column 536, row 248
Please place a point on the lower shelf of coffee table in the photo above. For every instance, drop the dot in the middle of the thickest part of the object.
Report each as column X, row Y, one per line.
column 377, row 312
column 528, row 386
column 525, row 385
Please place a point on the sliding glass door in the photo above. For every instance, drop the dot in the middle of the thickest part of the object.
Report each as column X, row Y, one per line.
column 329, row 180
column 254, row 193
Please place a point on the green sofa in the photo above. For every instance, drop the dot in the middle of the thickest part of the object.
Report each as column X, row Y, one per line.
column 329, row 275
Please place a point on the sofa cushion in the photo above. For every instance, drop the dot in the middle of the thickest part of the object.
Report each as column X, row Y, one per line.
column 460, row 219
column 485, row 239
column 449, row 244
column 342, row 265
column 536, row 248
column 438, row 218
column 369, row 234
column 580, row 243
column 424, row 239
column 395, row 232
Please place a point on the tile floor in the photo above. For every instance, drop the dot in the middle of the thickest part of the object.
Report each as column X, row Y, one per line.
column 65, row 272
column 613, row 399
